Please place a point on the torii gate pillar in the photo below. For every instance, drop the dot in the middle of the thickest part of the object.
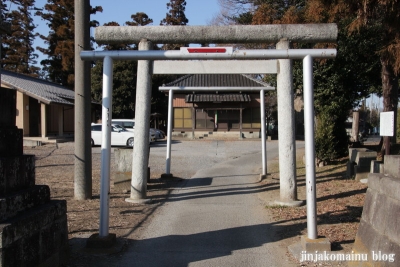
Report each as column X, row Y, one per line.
column 140, row 159
column 286, row 133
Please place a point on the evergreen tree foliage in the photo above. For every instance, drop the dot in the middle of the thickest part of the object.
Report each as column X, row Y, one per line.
column 124, row 87
column 124, row 81
column 59, row 64
column 176, row 14
column 329, row 137
column 125, row 77
column 139, row 19
column 17, row 49
column 175, row 17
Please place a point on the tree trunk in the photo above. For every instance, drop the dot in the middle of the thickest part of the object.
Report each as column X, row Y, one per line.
column 390, row 88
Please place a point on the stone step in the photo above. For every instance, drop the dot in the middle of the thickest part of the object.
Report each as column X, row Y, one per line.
column 16, row 173
column 44, row 229
column 14, row 204
column 11, row 142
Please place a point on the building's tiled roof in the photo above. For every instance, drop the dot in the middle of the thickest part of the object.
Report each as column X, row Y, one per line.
column 44, row 91
column 217, row 80
column 217, row 98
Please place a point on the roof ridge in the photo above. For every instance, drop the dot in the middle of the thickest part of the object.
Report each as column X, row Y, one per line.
column 217, row 80
column 35, row 79
column 42, row 90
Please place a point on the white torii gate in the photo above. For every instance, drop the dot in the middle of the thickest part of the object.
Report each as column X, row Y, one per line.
column 306, row 55
column 281, row 34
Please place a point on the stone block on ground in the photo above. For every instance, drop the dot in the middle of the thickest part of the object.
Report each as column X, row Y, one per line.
column 392, row 166
column 312, row 245
column 374, row 180
column 369, row 206
column 121, row 175
column 8, row 109
column 97, row 242
column 13, row 204
column 11, row 142
column 36, row 237
column 364, row 158
column 361, row 172
column 390, row 187
column 16, row 173
column 378, row 235
column 392, row 226
column 353, row 153
column 121, row 181
column 366, row 241
column 350, row 169
column 376, row 166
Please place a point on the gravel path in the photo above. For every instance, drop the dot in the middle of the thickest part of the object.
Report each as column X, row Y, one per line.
column 216, row 217
column 187, row 157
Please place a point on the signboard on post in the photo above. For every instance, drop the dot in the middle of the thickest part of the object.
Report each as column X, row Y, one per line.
column 387, row 123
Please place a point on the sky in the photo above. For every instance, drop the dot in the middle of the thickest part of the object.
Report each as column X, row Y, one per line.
column 198, row 12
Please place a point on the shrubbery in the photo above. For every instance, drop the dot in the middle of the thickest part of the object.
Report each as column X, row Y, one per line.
column 331, row 140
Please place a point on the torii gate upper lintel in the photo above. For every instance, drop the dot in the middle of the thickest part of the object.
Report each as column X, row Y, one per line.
column 299, row 33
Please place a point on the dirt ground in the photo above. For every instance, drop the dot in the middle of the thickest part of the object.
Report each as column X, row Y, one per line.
column 340, row 202
column 55, row 168
column 339, row 207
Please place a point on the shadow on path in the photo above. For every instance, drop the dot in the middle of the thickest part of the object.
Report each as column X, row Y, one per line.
column 184, row 249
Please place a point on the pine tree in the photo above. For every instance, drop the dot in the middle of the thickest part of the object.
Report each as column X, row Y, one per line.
column 17, row 49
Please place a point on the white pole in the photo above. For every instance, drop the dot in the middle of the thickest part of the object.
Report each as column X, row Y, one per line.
column 169, row 131
column 238, row 54
column 310, row 148
column 106, row 145
column 263, row 140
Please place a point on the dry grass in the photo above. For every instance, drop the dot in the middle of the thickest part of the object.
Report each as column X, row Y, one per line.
column 339, row 206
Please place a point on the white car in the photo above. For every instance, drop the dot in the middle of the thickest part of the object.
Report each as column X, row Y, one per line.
column 119, row 136
column 129, row 125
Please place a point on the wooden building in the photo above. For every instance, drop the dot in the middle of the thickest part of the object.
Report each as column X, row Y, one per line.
column 224, row 113
column 44, row 109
